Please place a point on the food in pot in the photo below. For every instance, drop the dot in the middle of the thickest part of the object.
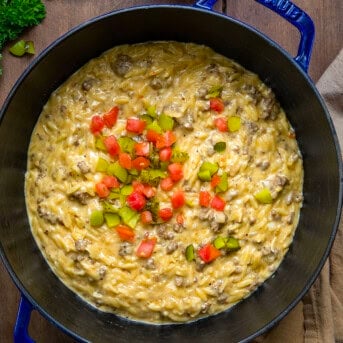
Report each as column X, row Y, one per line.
column 164, row 182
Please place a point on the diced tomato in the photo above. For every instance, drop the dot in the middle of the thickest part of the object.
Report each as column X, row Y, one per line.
column 136, row 201
column 218, row 203
column 110, row 181
column 142, row 149
column 125, row 160
column 138, row 187
column 135, row 125
column 221, row 124
column 175, row 171
column 112, row 145
column 102, row 190
column 217, row 105
column 149, row 191
column 166, row 184
column 179, row 219
column 178, row 199
column 215, row 180
column 204, row 198
column 146, row 247
column 170, row 138
column 146, row 217
column 97, row 124
column 152, row 136
column 165, row 213
column 208, row 253
column 160, row 142
column 125, row 233
column 110, row 118
column 140, row 163
column 165, row 154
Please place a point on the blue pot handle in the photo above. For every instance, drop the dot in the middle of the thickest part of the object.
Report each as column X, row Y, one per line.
column 293, row 14
column 21, row 334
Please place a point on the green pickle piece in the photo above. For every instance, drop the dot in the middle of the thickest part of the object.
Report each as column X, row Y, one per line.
column 101, row 165
column 151, row 110
column 234, row 123
column 204, row 175
column 264, row 196
column 219, row 146
column 99, row 144
column 223, row 183
column 211, row 167
column 147, row 118
column 129, row 216
column 232, row 244
column 220, row 242
column 97, row 218
column 154, row 127
column 118, row 171
column 18, row 49
column 126, row 190
column 127, row 144
column 190, row 253
column 30, row 47
column 109, row 208
column 166, row 122
column 112, row 219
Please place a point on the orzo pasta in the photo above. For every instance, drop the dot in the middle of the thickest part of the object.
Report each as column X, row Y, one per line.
column 164, row 182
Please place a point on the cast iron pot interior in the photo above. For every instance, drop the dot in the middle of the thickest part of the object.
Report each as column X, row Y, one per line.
column 322, row 188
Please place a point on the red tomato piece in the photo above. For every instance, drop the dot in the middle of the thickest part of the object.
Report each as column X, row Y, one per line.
column 215, row 180
column 140, row 163
column 102, row 190
column 146, row 217
column 165, row 213
column 218, row 203
column 208, row 253
column 135, row 125
column 125, row 233
column 110, row 118
column 138, row 187
column 146, row 247
column 165, row 154
column 112, row 145
column 110, row 181
column 179, row 219
column 149, row 191
column 175, row 171
column 97, row 124
column 221, row 124
column 166, row 184
column 217, row 105
column 125, row 160
column 169, row 138
column 160, row 142
column 142, row 149
column 204, row 198
column 178, row 199
column 152, row 136
column 136, row 201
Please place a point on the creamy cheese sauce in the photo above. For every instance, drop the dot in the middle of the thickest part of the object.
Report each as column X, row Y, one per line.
column 179, row 80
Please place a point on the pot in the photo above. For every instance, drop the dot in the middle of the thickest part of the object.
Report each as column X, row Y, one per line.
column 39, row 286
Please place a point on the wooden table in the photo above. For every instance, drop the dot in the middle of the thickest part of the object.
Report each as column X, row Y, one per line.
column 62, row 15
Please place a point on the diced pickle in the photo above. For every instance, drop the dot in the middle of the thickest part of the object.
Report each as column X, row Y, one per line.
column 220, row 242
column 166, row 123
column 97, row 218
column 232, row 244
column 211, row 167
column 101, row 165
column 126, row 190
column 154, row 127
column 118, row 171
column 126, row 144
column 234, row 123
column 204, row 175
column 112, row 219
column 219, row 146
column 190, row 253
column 99, row 144
column 223, row 183
column 264, row 196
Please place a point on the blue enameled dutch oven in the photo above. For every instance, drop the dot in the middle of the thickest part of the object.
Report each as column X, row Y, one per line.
column 287, row 76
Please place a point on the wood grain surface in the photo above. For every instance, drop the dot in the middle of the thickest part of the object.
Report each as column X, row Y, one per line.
column 62, row 15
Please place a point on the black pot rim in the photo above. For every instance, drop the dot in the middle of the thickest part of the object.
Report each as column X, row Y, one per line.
column 91, row 21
